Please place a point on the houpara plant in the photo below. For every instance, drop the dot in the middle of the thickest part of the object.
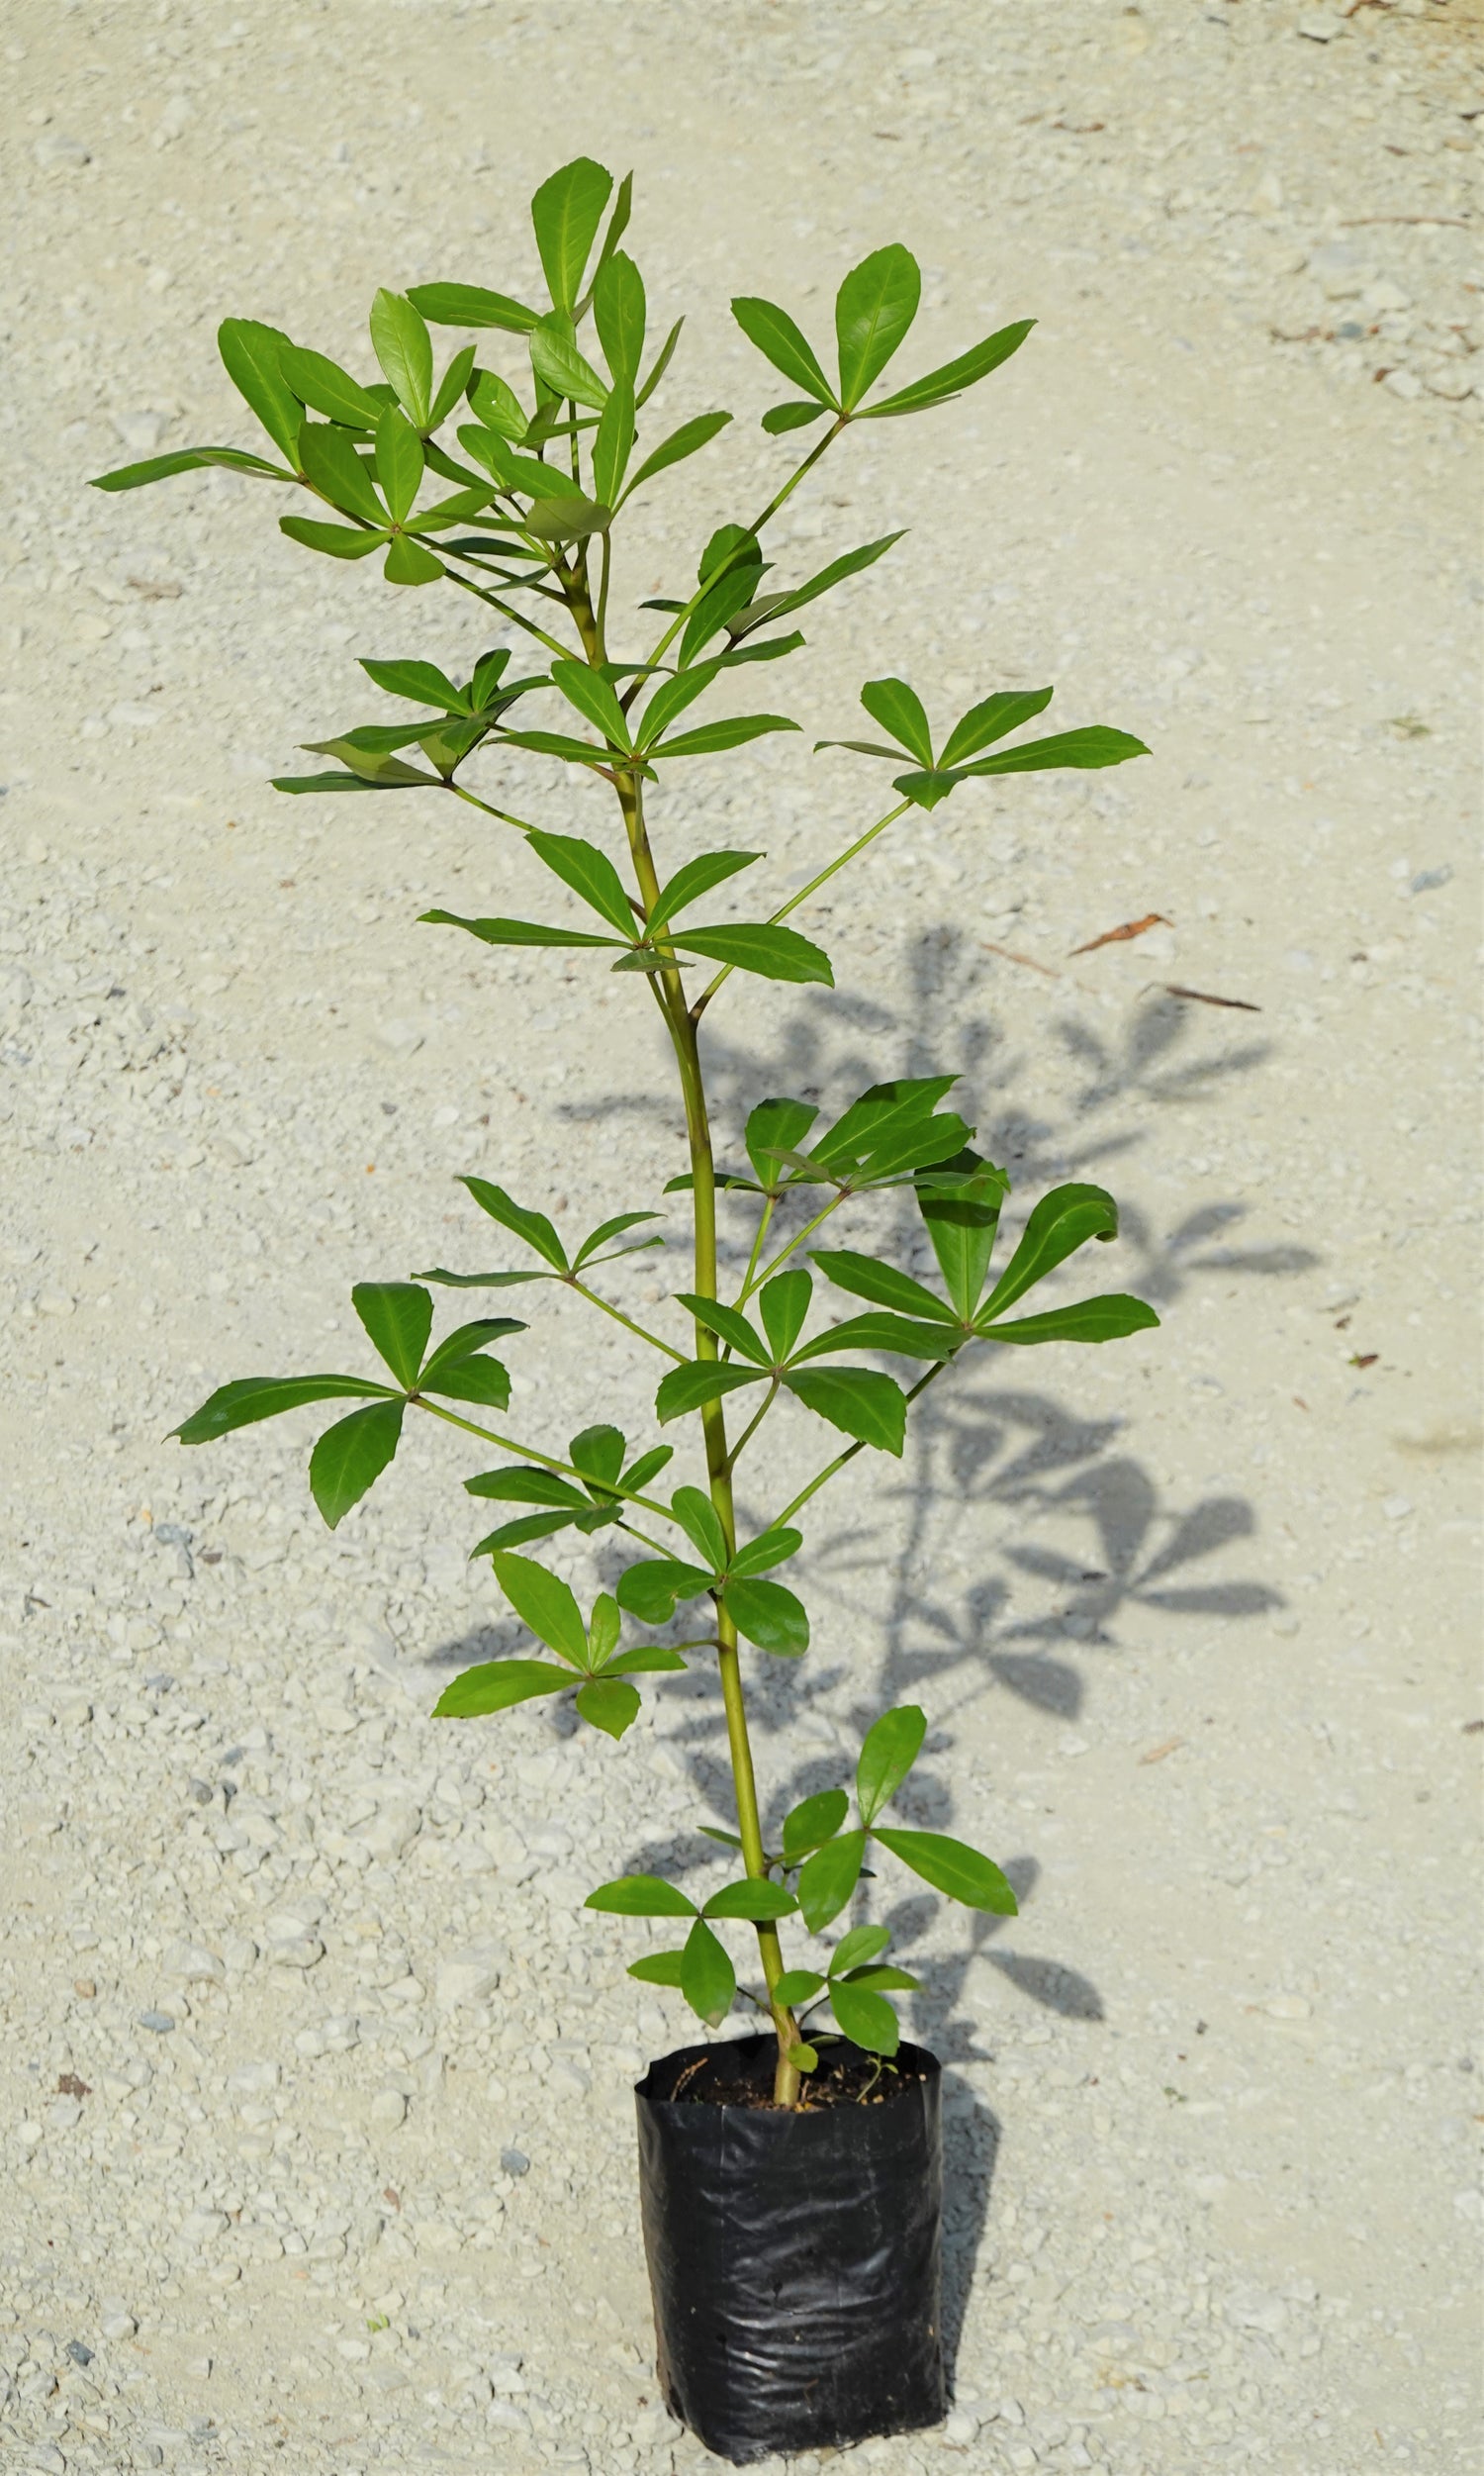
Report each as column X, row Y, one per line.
column 532, row 488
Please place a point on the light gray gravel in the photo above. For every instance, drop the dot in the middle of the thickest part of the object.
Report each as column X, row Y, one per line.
column 315, row 2099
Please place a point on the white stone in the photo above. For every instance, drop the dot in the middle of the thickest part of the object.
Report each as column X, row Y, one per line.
column 193, row 1963
column 469, row 1975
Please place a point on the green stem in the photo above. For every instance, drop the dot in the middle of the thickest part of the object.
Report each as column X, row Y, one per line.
column 619, row 1317
column 770, row 1206
column 543, row 1461
column 518, row 619
column 848, row 1454
column 504, row 815
column 753, row 1424
column 813, row 886
column 783, row 1253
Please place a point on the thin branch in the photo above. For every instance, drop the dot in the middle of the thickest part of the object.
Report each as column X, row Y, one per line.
column 543, row 1461
column 751, row 1429
column 825, row 874
column 619, row 1317
column 848, row 1454
column 783, row 1253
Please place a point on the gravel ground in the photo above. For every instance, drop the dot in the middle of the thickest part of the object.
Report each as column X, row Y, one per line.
column 315, row 2098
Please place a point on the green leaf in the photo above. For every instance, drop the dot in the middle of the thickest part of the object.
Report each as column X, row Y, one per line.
column 896, row 1980
column 619, row 314
column 863, row 1403
column 473, row 1378
column 861, row 1944
column 899, row 708
column 658, row 1969
column 398, row 1318
column 828, row 1877
column 926, row 791
column 797, row 1986
column 333, row 467
column 710, row 738
column 521, row 1486
column 782, row 342
column 1063, row 1220
column 866, row 2019
column 572, row 751
column 940, row 385
column 568, row 516
column 589, row 871
column 1109, row 1318
column 882, row 1284
column 695, row 877
column 403, row 345
column 421, row 683
column 907, row 1335
column 708, row 1982
column 728, row 1323
column 783, row 1303
column 351, row 1456
column 660, row 364
column 992, row 721
column 328, row 389
column 963, row 1872
column 497, row 406
column 689, row 439
column 613, row 443
column 623, row 207
column 873, row 309
column 640, row 1895
column 648, row 1660
column 515, row 933
column 962, row 1228
column 480, row 1280
column 566, row 212
column 593, row 698
column 453, row 384
column 776, row 1126
column 520, row 1532
column 755, row 1898
column 651, row 1589
column 770, row 1548
column 767, row 1614
column 671, row 698
column 367, row 752
column 614, row 1229
column 1082, row 750
column 701, row 1524
column 850, row 563
column 891, row 1746
column 523, row 473
column 337, row 542
column 302, row 783
column 469, row 305
column 555, row 358
column 792, row 416
column 546, row 1603
column 890, row 1122
column 187, row 460
column 399, row 461
column 463, row 1343
column 251, row 355
column 699, row 1381
column 758, row 946
column 598, row 1452
column 609, row 1704
column 496, row 1685
column 408, row 563
column 813, row 1822
column 533, row 1227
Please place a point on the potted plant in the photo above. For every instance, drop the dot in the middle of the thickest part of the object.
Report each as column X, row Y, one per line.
column 791, row 2178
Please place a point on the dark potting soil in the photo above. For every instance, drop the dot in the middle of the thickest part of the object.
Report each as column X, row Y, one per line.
column 736, row 2074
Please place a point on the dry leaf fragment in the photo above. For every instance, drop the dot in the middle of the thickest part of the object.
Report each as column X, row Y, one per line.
column 1156, row 1753
column 1028, row 962
column 1119, row 936
column 1202, row 996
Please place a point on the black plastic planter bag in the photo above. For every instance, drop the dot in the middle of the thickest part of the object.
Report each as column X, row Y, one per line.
column 794, row 2257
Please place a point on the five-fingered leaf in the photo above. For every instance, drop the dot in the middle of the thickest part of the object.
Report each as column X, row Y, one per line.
column 992, row 719
column 566, row 212
column 253, row 357
column 756, row 1898
column 1082, row 750
column 776, row 335
column 760, row 1554
column 882, row 1284
column 759, row 946
column 873, row 309
column 421, row 683
column 909, row 1336
column 775, row 1128
column 351, row 1455
column 651, row 1589
column 610, row 1704
column 728, row 1324
column 892, row 1745
column 399, row 462
column 325, row 388
column 898, row 710
column 701, row 1523
column 556, row 360
column 332, row 468
column 640, row 1895
column 699, row 1381
column 695, row 877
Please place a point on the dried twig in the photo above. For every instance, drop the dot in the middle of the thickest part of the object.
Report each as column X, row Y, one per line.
column 1203, row 996
column 1027, row 962
column 1351, row 223
column 1117, row 936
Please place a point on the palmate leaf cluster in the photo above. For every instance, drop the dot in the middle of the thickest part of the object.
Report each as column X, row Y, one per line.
column 504, row 467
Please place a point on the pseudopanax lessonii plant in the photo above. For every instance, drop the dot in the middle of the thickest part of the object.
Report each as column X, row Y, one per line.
column 519, row 508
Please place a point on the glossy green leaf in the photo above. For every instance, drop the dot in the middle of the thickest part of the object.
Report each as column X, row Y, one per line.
column 873, row 309
column 497, row 406
column 658, row 1969
column 728, row 1323
column 909, row 1336
column 572, row 751
column 333, row 467
column 253, row 357
column 882, row 1284
column 326, row 388
column 759, row 946
column 589, row 871
column 828, row 1877
column 755, row 1898
column 671, row 698
column 555, row 358
column 810, row 1824
column 1061, row 1221
column 521, row 1531
column 782, row 342
column 613, row 443
column 961, row 1226
column 941, row 385
column 784, row 1304
column 701, row 1524
column 863, row 1403
column 399, row 461
column 776, row 1126
column 546, row 1603
column 614, row 1228
column 519, row 1486
column 649, row 1659
column 710, row 738
column 336, row 541
column 866, row 2018
column 963, row 1872
column 251, row 1397
column 797, row 1986
column 695, row 877
column 863, row 1944
column 594, row 699
column 889, row 1980
column 619, row 315
column 882, row 1114
column 708, row 1980
column 533, row 1227
column 463, row 1344
column 398, row 1318
column 566, row 212
column 470, row 304
column 403, row 345
column 481, row 1280
column 188, row 460
column 525, row 474
column 1109, row 1318
column 453, row 384
column 610, row 1704
column 421, row 683
column 926, row 789
column 515, row 933
column 891, row 1746
column 692, row 1386
column 792, row 416
column 687, row 440
column 497, row 1684
column 992, row 719
column 640, row 1895
column 351, row 1456
column 568, row 517
column 770, row 1548
column 850, row 563
column 898, row 710
column 1082, row 750
column 473, row 1379
column 659, row 365
column 767, row 1614
column 651, row 1589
